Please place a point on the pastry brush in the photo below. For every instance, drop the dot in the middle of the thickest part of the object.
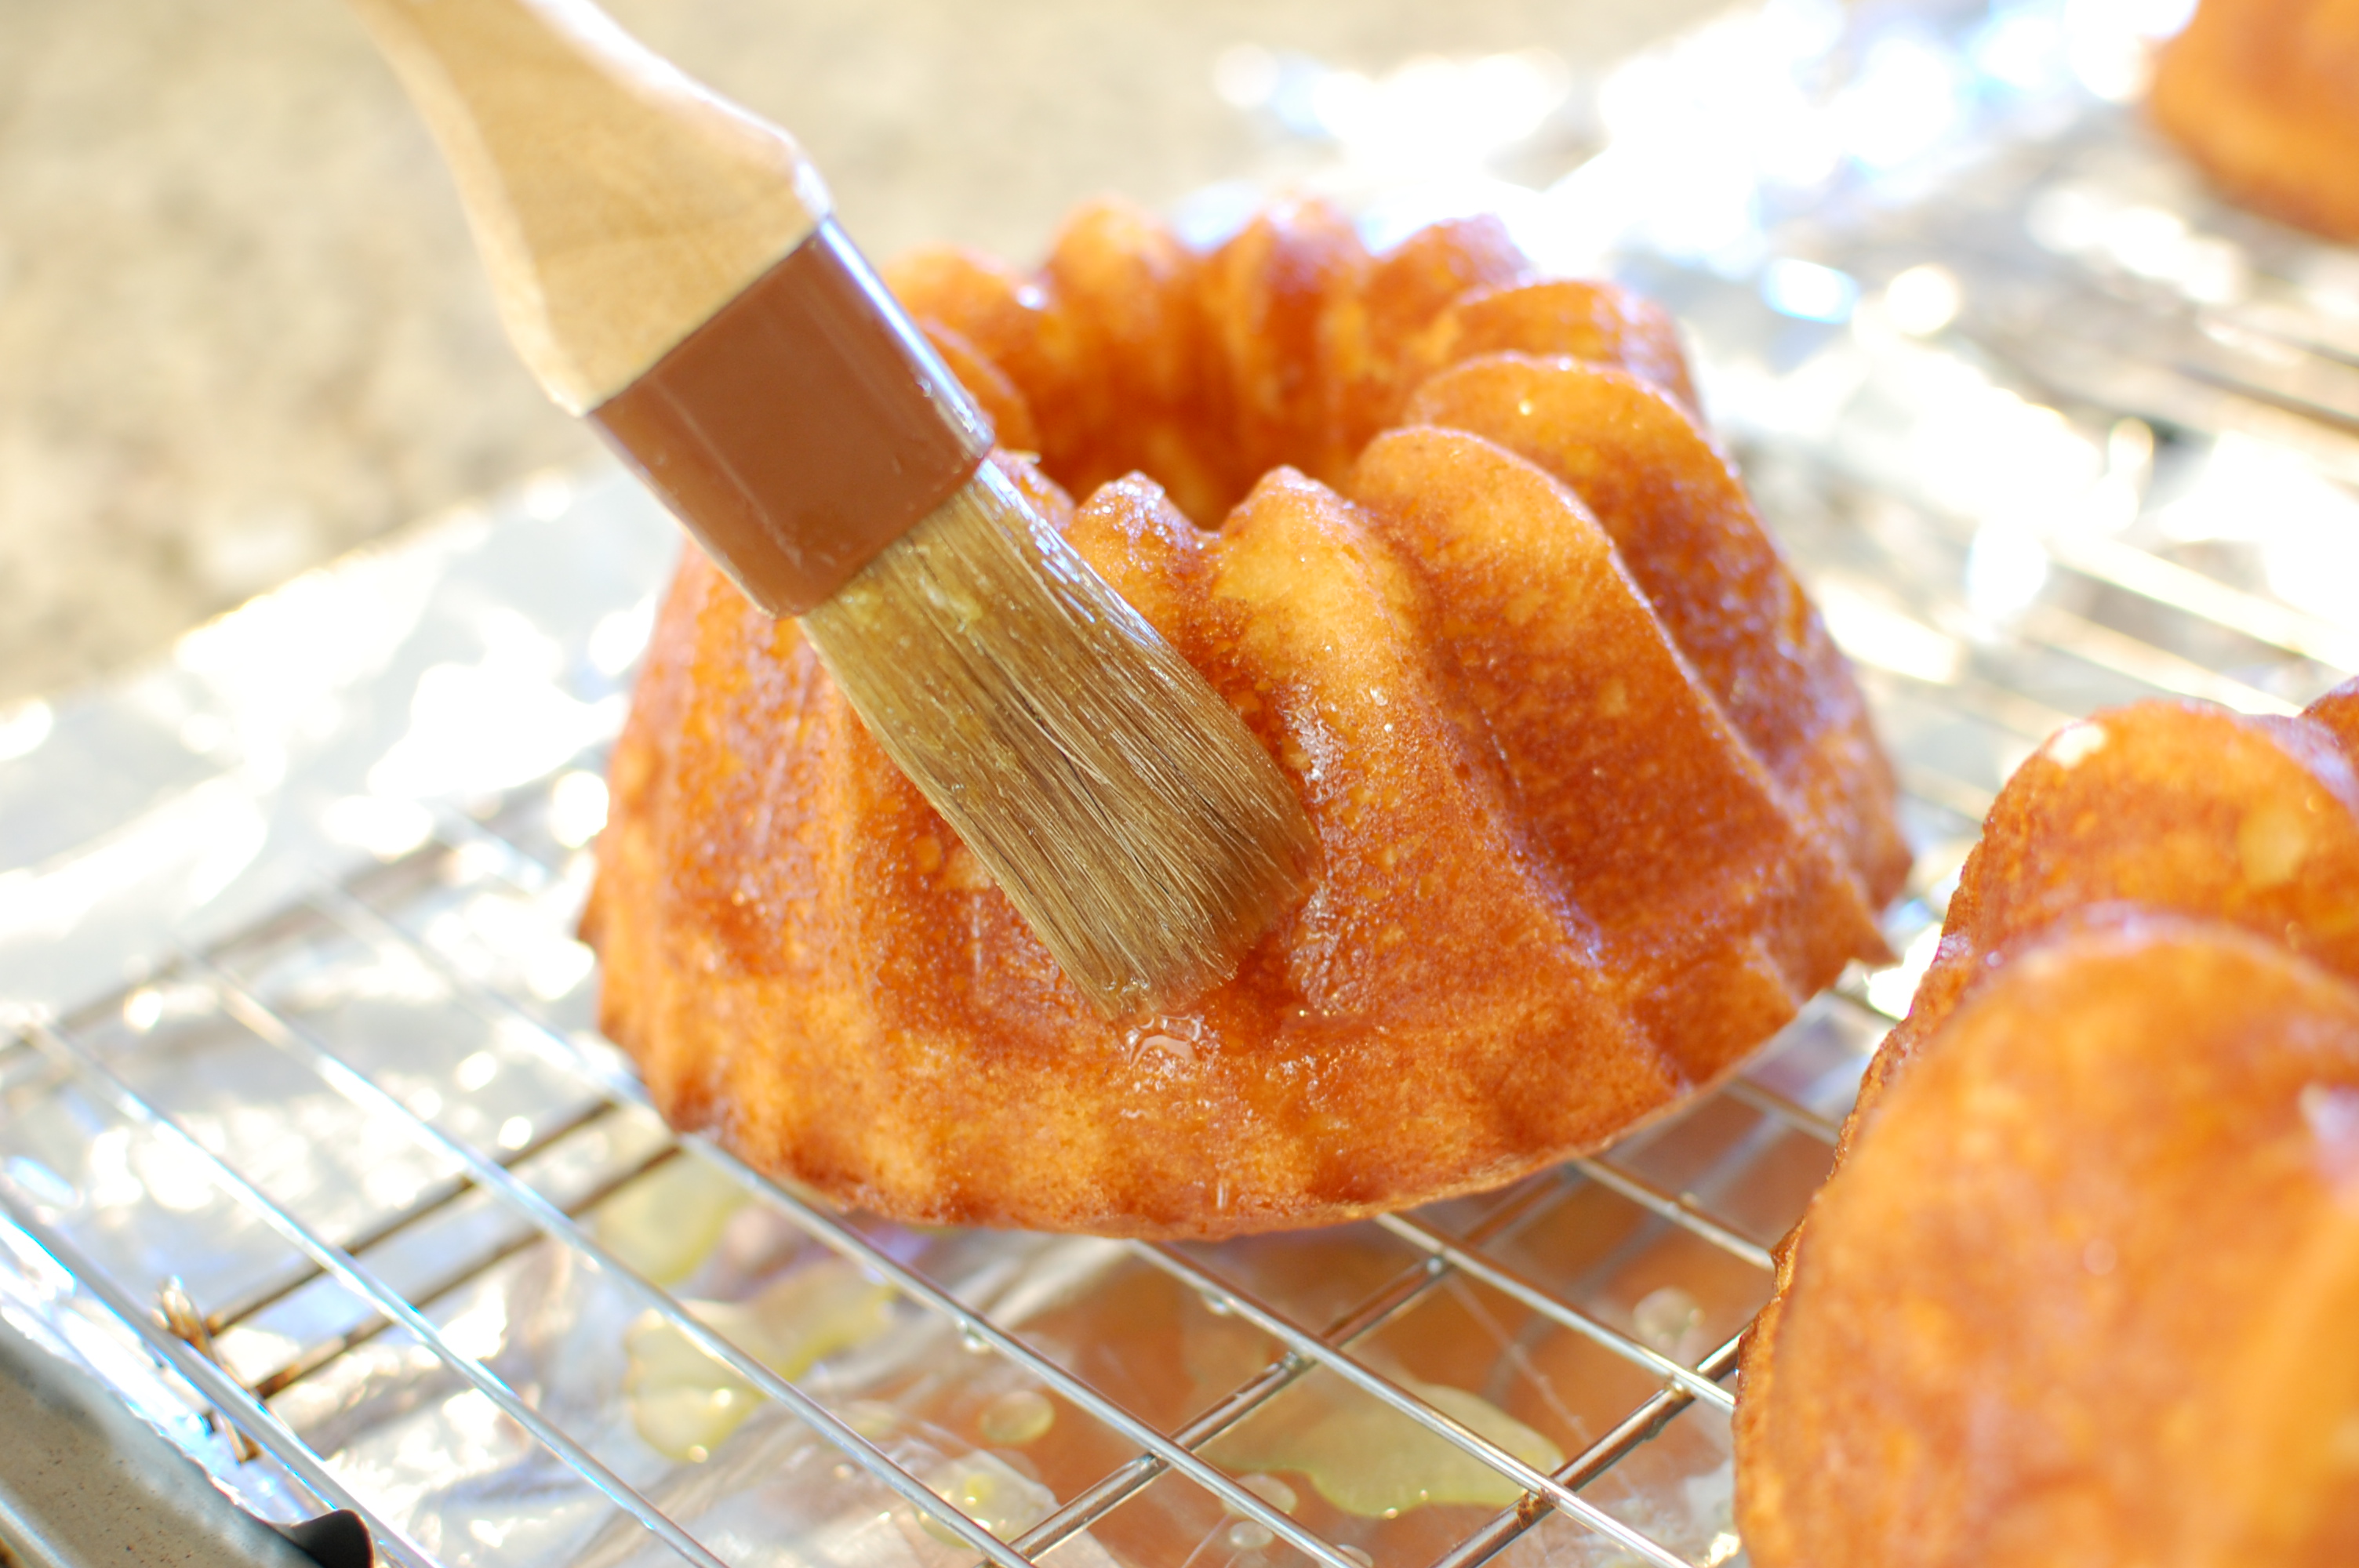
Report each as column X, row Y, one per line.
column 666, row 266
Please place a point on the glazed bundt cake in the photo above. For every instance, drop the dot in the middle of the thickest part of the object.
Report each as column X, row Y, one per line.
column 2178, row 806
column 2081, row 1288
column 1597, row 801
column 2264, row 95
column 2084, row 1293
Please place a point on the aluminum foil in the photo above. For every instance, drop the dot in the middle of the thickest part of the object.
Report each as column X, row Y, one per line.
column 2044, row 425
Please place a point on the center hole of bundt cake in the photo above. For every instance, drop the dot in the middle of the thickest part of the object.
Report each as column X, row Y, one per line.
column 1288, row 344
column 1200, row 425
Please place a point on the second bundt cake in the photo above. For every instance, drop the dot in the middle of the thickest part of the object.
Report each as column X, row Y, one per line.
column 2084, row 1293
column 1596, row 798
column 2079, row 1288
column 2166, row 805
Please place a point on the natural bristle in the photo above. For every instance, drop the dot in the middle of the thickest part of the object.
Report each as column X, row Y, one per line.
column 1119, row 802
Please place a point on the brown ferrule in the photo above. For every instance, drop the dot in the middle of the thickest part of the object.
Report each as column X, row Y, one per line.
column 804, row 427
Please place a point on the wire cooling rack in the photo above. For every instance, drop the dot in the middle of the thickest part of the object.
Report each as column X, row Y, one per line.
column 553, row 1128
column 352, row 1201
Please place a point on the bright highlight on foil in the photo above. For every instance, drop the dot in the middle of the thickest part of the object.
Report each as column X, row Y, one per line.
column 23, row 728
column 2304, row 526
column 1428, row 114
column 618, row 639
column 1706, row 129
column 1890, row 990
column 1923, row 300
column 1808, row 291
column 1908, row 97
column 385, row 828
column 1439, row 111
column 577, row 808
column 2094, row 224
column 1875, row 634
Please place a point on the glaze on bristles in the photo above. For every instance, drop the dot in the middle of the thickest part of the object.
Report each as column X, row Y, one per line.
column 1124, row 809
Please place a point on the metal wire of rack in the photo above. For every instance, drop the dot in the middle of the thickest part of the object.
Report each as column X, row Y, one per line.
column 67, row 1049
column 443, row 1135
column 478, row 855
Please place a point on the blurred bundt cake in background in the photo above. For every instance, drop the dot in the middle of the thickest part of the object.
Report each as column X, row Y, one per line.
column 2264, row 95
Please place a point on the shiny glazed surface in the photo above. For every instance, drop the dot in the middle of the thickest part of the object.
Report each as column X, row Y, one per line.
column 2065, row 1298
column 1585, row 844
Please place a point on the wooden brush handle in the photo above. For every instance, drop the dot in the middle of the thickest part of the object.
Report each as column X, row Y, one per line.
column 618, row 205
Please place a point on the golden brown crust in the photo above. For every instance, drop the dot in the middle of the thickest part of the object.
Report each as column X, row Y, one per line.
column 2045, row 1316
column 1562, row 318
column 1923, row 1387
column 1559, row 889
column 2164, row 805
column 1689, row 534
column 1631, row 785
column 2265, row 96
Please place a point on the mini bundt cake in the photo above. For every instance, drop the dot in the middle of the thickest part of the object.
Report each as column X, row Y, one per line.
column 1596, row 798
column 2264, row 95
column 2085, row 1291
column 2081, row 1288
column 2164, row 805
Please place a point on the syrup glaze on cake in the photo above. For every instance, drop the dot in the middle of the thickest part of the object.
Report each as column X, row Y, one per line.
column 1597, row 801
column 2065, row 1298
column 2083, row 1293
column 2164, row 805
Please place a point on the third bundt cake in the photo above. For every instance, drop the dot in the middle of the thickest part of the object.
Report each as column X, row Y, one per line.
column 1596, row 798
column 2081, row 1288
column 2265, row 96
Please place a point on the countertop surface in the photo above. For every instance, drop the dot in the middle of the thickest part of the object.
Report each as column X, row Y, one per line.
column 242, row 327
